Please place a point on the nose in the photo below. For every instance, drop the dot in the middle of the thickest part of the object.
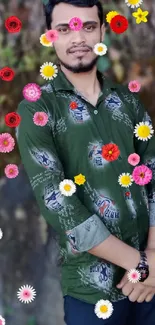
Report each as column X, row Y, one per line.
column 78, row 37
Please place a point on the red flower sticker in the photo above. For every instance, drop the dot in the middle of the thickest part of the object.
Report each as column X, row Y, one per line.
column 119, row 24
column 7, row 74
column 12, row 119
column 13, row 24
column 73, row 105
column 127, row 193
column 110, row 152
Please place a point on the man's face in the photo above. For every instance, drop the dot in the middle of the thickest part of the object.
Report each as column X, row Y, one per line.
column 74, row 49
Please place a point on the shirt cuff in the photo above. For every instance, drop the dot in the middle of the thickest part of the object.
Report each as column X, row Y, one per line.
column 152, row 214
column 88, row 234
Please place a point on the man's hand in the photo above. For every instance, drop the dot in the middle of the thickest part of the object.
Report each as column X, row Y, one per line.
column 150, row 281
column 136, row 291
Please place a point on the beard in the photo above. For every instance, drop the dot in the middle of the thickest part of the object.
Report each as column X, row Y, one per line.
column 80, row 67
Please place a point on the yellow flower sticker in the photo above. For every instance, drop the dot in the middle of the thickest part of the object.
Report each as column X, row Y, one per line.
column 110, row 15
column 79, row 179
column 140, row 16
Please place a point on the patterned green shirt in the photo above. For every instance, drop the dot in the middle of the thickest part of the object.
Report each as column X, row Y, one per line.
column 70, row 144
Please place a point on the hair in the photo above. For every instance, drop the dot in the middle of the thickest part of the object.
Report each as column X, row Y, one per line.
column 48, row 9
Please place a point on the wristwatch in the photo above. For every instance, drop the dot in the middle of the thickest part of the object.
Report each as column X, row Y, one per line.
column 143, row 267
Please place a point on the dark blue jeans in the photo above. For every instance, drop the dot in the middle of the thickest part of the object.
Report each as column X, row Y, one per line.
column 125, row 313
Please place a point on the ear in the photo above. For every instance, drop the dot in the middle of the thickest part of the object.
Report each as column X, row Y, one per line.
column 103, row 29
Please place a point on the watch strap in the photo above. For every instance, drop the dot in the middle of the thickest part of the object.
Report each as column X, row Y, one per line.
column 143, row 260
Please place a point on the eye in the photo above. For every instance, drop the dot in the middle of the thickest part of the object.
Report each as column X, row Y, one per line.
column 63, row 30
column 89, row 28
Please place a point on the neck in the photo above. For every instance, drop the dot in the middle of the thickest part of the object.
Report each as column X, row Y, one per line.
column 85, row 81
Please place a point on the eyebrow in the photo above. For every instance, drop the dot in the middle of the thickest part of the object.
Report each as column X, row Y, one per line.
column 84, row 24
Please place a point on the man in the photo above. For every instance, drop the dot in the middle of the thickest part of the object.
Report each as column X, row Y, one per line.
column 105, row 229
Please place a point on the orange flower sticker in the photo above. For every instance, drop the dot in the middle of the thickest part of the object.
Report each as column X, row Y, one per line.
column 110, row 152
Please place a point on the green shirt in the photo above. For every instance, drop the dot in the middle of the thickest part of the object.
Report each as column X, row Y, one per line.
column 71, row 144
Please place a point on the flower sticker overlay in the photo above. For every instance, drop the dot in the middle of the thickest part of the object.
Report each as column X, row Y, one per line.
column 7, row 74
column 52, row 35
column 110, row 152
column 48, row 71
column 1, row 233
column 32, row 92
column 134, row 86
column 125, row 180
column 44, row 41
column 142, row 175
column 133, row 3
column 143, row 131
column 75, row 24
column 79, row 179
column 67, row 187
column 2, row 321
column 13, row 24
column 103, row 309
column 12, row 119
column 140, row 16
column 11, row 171
column 40, row 118
column 134, row 276
column 110, row 15
column 119, row 24
column 7, row 142
column 26, row 294
column 134, row 159
column 100, row 49
column 73, row 105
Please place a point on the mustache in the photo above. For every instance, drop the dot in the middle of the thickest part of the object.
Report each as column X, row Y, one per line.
column 81, row 47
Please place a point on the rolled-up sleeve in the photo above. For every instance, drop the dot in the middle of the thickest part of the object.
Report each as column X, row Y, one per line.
column 66, row 214
column 146, row 150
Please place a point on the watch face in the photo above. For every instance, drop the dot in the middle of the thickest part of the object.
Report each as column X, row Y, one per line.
column 144, row 273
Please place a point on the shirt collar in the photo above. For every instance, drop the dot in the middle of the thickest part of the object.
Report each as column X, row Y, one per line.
column 62, row 83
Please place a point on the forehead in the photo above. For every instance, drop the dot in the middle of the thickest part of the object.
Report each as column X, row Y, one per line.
column 64, row 12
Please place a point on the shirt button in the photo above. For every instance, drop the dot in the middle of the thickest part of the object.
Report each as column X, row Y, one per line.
column 95, row 111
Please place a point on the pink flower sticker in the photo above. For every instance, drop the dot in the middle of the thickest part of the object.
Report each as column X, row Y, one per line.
column 26, row 294
column 52, row 35
column 134, row 159
column 134, row 86
column 2, row 321
column 75, row 24
column 142, row 175
column 32, row 92
column 134, row 276
column 7, row 142
column 40, row 118
column 11, row 171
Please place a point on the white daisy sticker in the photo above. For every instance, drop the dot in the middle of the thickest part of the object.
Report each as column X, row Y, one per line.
column 133, row 3
column 67, row 187
column 26, row 294
column 143, row 131
column 103, row 309
column 100, row 49
column 1, row 235
column 48, row 71
column 134, row 276
column 2, row 321
column 125, row 180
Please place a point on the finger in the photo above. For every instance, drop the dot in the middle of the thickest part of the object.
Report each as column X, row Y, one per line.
column 142, row 297
column 150, row 282
column 135, row 294
column 149, row 297
column 122, row 282
column 127, row 289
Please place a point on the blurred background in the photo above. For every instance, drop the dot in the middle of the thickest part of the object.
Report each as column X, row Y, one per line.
column 29, row 252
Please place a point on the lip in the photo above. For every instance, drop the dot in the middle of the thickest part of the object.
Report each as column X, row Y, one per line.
column 79, row 50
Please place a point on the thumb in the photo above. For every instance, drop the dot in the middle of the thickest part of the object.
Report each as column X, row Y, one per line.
column 122, row 282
